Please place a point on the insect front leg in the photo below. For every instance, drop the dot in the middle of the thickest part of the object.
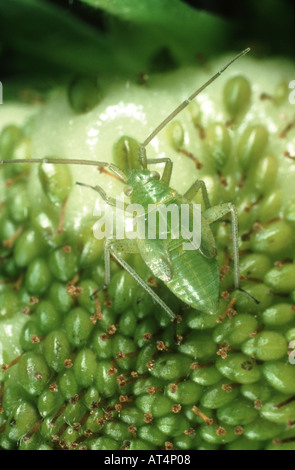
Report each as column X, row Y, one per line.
column 144, row 161
column 167, row 172
column 112, row 247
column 124, row 246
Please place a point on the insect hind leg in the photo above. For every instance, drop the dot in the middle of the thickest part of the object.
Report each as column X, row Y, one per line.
column 111, row 249
column 126, row 246
column 193, row 190
column 217, row 212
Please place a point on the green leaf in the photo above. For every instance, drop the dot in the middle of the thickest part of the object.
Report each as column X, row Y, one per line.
column 147, row 11
column 146, row 27
column 41, row 37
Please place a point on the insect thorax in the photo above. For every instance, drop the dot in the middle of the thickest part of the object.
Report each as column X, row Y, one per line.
column 146, row 189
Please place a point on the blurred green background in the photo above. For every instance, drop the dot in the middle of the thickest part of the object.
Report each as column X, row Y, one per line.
column 42, row 42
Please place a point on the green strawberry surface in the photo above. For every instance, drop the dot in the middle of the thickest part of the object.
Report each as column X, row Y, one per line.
column 105, row 372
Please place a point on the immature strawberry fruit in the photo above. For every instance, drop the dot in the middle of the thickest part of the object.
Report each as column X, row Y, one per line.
column 104, row 372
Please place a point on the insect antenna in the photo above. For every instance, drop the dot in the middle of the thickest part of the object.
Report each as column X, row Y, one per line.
column 62, row 161
column 71, row 161
column 184, row 104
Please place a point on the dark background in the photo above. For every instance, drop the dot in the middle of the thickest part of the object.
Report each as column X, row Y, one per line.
column 267, row 26
column 254, row 18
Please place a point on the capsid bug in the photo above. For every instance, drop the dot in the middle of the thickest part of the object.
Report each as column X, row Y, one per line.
column 192, row 275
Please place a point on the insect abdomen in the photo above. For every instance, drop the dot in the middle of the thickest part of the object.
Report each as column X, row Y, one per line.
column 195, row 278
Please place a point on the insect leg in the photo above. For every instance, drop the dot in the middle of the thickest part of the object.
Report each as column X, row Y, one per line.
column 217, row 212
column 144, row 161
column 167, row 172
column 126, row 246
column 112, row 248
column 111, row 201
column 192, row 191
column 142, row 157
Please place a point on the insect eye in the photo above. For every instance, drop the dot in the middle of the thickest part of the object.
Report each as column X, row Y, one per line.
column 155, row 175
column 128, row 190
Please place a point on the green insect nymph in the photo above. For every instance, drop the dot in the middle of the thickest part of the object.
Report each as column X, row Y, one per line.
column 166, row 258
column 192, row 275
